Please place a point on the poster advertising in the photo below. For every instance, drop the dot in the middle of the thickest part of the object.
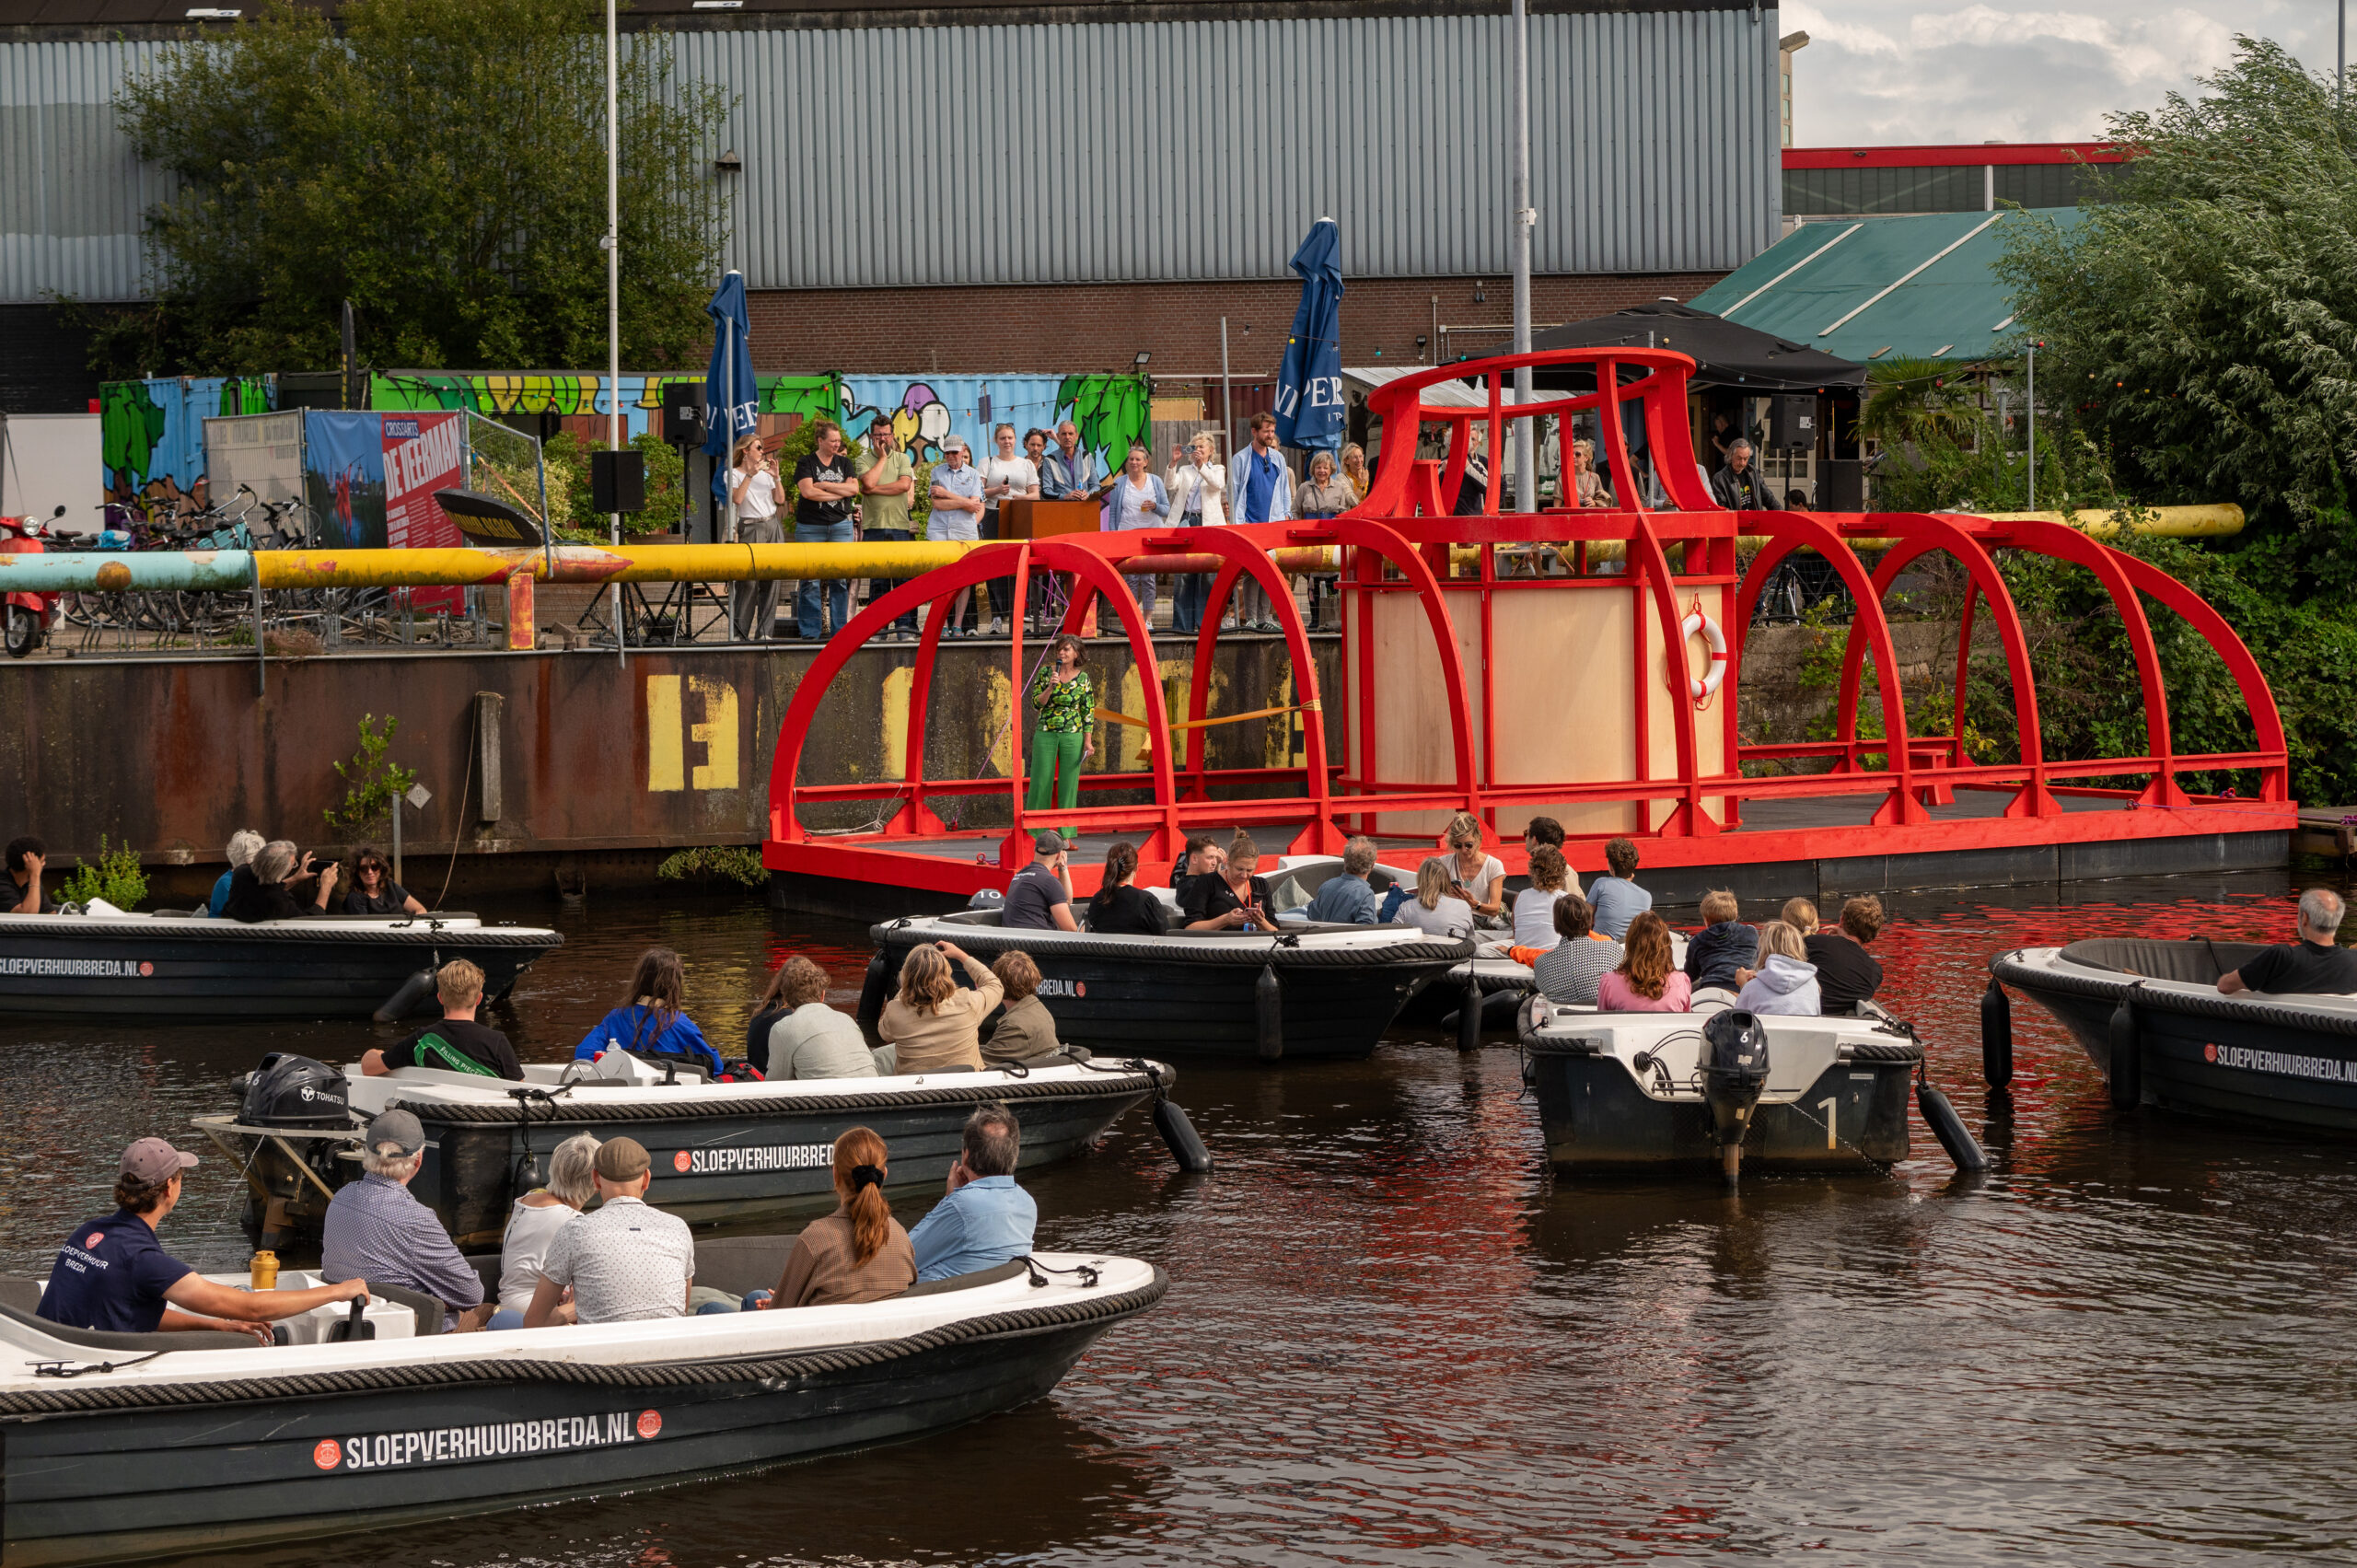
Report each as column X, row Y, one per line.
column 424, row 453
column 343, row 477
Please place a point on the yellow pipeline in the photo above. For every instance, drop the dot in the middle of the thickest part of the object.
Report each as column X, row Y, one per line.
column 656, row 564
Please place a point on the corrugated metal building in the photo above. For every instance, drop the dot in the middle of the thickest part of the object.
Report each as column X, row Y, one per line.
column 1150, row 165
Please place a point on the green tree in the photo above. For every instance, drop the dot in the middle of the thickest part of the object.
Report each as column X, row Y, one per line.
column 439, row 163
column 1911, row 399
column 2203, row 323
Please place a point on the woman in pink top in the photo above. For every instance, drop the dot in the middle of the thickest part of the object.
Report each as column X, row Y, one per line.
column 1644, row 982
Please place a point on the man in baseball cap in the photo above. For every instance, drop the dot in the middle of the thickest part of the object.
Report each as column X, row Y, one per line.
column 623, row 1260
column 113, row 1275
column 1038, row 897
column 375, row 1229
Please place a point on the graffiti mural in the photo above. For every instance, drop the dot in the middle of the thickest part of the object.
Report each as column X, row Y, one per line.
column 152, row 434
column 926, row 410
column 494, row 393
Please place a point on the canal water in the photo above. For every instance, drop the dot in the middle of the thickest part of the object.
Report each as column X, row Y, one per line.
column 1394, row 1338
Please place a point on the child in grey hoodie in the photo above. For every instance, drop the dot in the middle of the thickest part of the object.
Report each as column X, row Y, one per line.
column 1784, row 982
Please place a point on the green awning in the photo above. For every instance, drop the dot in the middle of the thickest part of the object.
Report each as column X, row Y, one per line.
column 1869, row 289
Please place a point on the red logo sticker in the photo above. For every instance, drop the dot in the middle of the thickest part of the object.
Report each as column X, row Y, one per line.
column 649, row 1423
column 328, row 1454
column 96, row 1236
column 146, row 970
column 1080, row 988
column 679, row 1162
column 2210, row 1053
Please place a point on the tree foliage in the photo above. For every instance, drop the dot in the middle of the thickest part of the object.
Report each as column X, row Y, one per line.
column 2204, row 321
column 439, row 163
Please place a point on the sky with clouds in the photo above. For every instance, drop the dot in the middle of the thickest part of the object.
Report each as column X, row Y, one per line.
column 1903, row 71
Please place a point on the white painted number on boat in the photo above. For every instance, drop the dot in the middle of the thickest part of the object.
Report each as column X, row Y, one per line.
column 390, row 1450
column 783, row 1157
column 81, row 969
column 2328, row 1069
column 1832, row 1109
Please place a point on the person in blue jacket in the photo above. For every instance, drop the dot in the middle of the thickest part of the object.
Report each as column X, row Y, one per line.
column 648, row 1022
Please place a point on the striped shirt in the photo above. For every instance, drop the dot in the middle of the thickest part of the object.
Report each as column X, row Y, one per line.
column 377, row 1231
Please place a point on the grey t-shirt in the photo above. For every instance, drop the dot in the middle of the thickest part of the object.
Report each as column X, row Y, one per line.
column 624, row 1261
column 1032, row 895
column 1616, row 903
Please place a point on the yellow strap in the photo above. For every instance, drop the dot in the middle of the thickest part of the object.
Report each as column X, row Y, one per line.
column 1111, row 717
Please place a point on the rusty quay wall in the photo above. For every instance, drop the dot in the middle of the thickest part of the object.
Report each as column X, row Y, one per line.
column 570, row 762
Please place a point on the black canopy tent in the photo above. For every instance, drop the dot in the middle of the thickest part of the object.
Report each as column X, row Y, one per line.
column 1726, row 353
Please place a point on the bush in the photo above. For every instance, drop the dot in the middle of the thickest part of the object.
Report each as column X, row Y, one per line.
column 716, row 862
column 115, row 876
column 372, row 782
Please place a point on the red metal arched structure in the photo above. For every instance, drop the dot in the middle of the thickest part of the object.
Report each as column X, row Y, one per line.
column 1686, row 785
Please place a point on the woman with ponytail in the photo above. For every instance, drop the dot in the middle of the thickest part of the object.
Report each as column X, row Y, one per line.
column 859, row 1252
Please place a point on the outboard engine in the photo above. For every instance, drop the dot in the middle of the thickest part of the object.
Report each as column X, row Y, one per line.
column 1735, row 1069
column 288, row 1090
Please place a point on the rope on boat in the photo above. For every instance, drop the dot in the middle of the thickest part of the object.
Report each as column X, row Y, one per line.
column 983, row 1088
column 771, row 1372
column 419, row 934
column 982, row 940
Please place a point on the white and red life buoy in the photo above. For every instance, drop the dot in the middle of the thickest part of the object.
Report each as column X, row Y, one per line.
column 1708, row 685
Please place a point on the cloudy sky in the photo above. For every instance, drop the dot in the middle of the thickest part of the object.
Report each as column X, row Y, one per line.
column 1898, row 71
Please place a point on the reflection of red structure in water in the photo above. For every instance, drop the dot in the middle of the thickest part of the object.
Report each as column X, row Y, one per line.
column 1579, row 696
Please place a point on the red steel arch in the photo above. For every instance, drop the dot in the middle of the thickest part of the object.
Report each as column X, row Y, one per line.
column 1403, row 538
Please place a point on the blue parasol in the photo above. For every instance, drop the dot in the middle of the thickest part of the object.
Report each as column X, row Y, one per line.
column 732, row 397
column 1309, row 380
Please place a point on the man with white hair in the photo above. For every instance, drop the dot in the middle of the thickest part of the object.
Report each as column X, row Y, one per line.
column 2316, row 965
column 376, row 1229
column 1736, row 486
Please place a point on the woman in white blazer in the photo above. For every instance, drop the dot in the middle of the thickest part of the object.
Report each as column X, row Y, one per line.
column 1198, row 486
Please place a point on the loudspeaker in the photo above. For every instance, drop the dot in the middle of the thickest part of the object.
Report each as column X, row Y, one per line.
column 617, row 481
column 1793, row 422
column 683, row 423
column 1841, row 485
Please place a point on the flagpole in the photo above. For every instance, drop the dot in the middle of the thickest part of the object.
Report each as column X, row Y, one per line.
column 614, row 298
column 1526, row 458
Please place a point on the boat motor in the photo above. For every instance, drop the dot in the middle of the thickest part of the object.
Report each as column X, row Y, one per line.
column 288, row 1090
column 1735, row 1070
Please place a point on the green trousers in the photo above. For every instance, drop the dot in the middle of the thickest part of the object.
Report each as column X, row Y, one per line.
column 1055, row 757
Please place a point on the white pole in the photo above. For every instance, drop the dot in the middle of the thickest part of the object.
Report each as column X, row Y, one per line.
column 1525, row 464
column 1226, row 403
column 2032, row 506
column 615, row 294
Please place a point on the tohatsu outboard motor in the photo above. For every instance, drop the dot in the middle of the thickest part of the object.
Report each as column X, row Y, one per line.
column 1735, row 1070
column 288, row 1090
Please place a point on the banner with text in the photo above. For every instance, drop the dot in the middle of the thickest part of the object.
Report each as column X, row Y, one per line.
column 424, row 453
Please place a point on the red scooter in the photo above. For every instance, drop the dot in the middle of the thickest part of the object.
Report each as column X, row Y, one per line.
column 28, row 615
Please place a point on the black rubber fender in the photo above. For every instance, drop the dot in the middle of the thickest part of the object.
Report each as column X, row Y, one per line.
column 1949, row 1129
column 1996, row 1036
column 1268, row 1016
column 407, row 999
column 872, row 990
column 2125, row 1063
column 1186, row 1144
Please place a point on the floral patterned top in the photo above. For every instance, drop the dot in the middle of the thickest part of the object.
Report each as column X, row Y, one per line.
column 1065, row 708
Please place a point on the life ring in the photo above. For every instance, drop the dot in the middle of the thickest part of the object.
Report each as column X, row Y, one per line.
column 1708, row 685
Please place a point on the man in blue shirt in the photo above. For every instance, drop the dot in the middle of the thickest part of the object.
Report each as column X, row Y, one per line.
column 113, row 1275
column 1262, row 486
column 1347, row 898
column 376, row 1228
column 986, row 1219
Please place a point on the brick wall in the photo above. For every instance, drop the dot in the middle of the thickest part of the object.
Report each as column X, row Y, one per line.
column 1078, row 327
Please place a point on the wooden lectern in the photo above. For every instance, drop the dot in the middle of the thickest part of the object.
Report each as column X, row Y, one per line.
column 1043, row 519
